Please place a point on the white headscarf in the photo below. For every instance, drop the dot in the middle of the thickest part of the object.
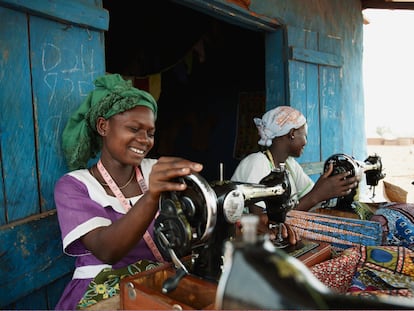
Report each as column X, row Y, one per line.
column 278, row 122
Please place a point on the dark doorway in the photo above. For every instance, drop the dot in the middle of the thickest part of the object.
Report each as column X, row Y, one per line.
column 204, row 65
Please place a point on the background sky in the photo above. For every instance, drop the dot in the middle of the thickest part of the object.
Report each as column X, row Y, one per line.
column 388, row 71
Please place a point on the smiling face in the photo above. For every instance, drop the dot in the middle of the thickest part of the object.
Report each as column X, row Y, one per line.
column 299, row 140
column 127, row 136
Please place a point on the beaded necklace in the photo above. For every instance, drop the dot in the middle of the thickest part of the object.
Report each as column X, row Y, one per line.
column 270, row 158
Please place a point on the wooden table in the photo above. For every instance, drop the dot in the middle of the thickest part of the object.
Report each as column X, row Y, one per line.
column 193, row 293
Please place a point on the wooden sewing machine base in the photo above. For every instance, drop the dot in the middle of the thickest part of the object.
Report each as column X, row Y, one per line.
column 143, row 291
column 310, row 252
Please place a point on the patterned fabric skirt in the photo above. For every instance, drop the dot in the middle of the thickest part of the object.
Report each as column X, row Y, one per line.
column 106, row 284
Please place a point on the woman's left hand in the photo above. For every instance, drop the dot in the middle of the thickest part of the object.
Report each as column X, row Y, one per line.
column 263, row 227
column 287, row 233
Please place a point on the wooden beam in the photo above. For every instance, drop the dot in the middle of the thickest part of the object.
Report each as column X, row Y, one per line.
column 383, row 4
column 72, row 12
column 31, row 256
column 316, row 57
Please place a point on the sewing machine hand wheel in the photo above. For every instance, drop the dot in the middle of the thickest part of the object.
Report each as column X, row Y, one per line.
column 186, row 218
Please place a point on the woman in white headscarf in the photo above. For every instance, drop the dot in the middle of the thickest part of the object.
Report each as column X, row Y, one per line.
column 283, row 133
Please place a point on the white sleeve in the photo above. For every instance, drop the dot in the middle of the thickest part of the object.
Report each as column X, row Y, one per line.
column 252, row 168
column 303, row 183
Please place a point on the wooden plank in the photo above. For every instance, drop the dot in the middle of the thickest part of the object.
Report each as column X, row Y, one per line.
column 2, row 193
column 304, row 92
column 232, row 13
column 70, row 12
column 275, row 70
column 314, row 88
column 31, row 256
column 65, row 62
column 312, row 168
column 333, row 128
column 311, row 110
column 332, row 118
column 17, row 140
column 45, row 298
column 113, row 303
column 317, row 255
column 304, row 97
column 34, row 301
column 316, row 57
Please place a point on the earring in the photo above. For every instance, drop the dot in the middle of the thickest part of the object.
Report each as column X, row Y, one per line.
column 292, row 137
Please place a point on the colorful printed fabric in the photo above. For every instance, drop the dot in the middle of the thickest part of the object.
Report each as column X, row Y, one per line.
column 339, row 231
column 337, row 273
column 369, row 270
column 397, row 221
column 106, row 284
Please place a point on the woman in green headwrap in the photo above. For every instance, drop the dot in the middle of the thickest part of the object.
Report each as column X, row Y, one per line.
column 106, row 212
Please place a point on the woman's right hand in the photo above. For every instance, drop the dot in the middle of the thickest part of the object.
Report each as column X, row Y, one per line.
column 111, row 243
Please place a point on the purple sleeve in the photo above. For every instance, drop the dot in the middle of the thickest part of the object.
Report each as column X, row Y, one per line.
column 77, row 213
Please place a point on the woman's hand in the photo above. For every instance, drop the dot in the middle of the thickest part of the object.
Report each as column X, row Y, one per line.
column 287, row 233
column 263, row 227
column 328, row 187
column 111, row 243
column 164, row 173
column 338, row 185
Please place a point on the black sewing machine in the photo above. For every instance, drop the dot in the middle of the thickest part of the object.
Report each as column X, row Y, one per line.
column 200, row 219
column 251, row 273
column 371, row 166
column 258, row 276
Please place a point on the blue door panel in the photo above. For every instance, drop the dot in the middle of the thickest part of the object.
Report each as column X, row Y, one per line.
column 65, row 61
column 332, row 121
column 314, row 80
column 19, row 194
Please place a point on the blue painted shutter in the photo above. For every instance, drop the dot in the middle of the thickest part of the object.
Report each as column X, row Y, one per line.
column 314, row 87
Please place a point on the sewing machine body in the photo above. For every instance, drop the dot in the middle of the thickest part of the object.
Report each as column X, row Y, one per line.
column 277, row 281
column 199, row 221
column 371, row 167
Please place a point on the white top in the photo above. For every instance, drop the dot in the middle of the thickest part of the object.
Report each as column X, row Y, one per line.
column 255, row 166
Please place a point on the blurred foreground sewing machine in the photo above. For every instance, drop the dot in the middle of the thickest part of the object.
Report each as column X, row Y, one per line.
column 211, row 268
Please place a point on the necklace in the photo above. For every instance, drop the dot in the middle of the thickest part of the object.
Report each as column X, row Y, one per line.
column 270, row 157
column 120, row 187
column 127, row 206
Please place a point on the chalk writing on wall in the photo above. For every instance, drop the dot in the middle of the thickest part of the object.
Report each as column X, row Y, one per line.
column 71, row 75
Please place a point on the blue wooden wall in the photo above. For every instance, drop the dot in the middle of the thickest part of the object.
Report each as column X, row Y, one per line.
column 51, row 51
column 321, row 46
column 313, row 63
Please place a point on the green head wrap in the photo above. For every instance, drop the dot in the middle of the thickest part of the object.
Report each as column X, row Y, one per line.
column 112, row 95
